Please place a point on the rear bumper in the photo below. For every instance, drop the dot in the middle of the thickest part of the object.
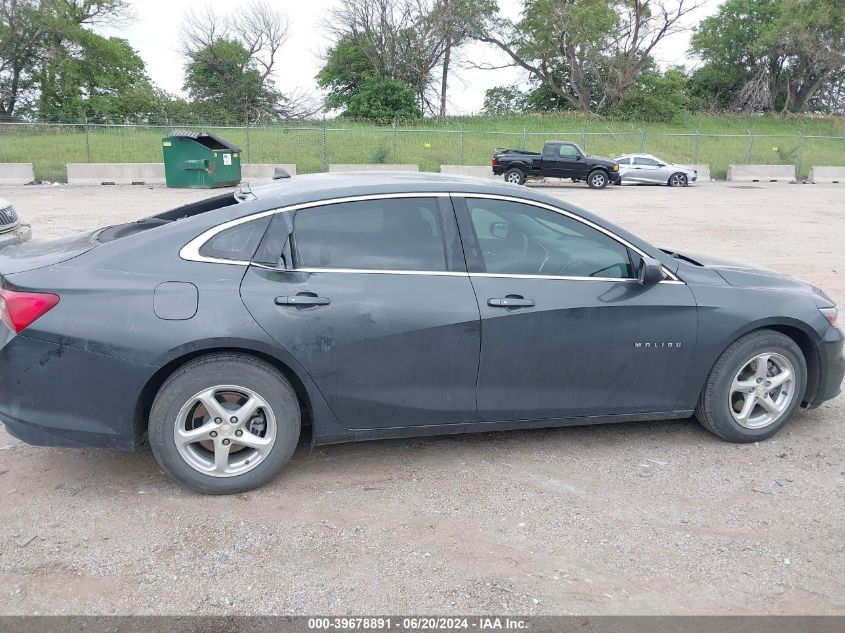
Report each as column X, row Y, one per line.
column 55, row 395
column 832, row 356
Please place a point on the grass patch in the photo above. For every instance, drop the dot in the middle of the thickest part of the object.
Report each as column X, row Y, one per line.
column 717, row 141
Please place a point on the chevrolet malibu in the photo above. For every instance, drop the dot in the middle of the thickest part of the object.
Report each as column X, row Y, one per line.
column 383, row 305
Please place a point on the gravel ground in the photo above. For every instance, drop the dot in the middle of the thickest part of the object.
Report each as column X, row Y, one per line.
column 639, row 518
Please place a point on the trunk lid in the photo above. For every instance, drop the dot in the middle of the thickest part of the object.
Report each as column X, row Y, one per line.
column 23, row 256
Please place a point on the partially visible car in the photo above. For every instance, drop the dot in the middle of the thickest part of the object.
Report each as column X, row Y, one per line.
column 652, row 170
column 12, row 230
column 559, row 159
column 9, row 220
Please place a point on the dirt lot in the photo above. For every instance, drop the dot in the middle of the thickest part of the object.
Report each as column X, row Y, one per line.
column 622, row 519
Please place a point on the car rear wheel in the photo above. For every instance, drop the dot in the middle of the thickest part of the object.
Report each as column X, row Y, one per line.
column 597, row 179
column 754, row 388
column 678, row 180
column 224, row 423
column 515, row 176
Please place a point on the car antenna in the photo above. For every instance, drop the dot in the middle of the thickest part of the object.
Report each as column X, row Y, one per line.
column 279, row 173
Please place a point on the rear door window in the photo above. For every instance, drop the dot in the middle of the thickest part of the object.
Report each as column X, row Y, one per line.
column 390, row 234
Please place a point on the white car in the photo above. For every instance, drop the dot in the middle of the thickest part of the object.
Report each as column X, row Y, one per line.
column 648, row 169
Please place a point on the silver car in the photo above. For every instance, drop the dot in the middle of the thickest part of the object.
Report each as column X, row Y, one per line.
column 648, row 169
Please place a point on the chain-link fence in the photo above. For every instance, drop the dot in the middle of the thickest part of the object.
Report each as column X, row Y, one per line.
column 313, row 146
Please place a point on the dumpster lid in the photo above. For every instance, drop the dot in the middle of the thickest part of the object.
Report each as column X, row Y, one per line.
column 211, row 141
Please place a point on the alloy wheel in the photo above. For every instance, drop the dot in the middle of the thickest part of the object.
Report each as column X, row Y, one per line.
column 762, row 390
column 678, row 180
column 225, row 431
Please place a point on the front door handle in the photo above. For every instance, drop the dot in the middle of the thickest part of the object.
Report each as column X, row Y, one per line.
column 305, row 299
column 511, row 301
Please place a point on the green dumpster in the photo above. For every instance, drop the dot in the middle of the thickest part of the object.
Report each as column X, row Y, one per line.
column 200, row 161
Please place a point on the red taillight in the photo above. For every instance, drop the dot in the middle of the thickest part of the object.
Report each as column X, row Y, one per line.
column 19, row 310
column 495, row 162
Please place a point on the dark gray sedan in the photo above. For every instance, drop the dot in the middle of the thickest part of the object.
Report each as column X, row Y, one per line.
column 388, row 305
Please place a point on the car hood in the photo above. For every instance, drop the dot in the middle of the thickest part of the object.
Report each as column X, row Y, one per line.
column 601, row 160
column 747, row 276
column 685, row 167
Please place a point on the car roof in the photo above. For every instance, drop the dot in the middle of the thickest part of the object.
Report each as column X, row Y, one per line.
column 329, row 185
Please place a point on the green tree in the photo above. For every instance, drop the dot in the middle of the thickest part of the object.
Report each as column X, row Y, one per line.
column 769, row 54
column 382, row 99
column 345, row 70
column 225, row 74
column 587, row 52
column 89, row 75
column 21, row 37
column 655, row 97
column 357, row 83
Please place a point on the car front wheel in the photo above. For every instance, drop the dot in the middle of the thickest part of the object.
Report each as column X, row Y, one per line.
column 597, row 179
column 224, row 423
column 678, row 180
column 754, row 388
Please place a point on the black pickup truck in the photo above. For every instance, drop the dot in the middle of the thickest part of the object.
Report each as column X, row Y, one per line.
column 558, row 160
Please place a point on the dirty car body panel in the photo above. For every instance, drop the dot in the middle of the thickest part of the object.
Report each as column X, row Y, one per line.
column 427, row 336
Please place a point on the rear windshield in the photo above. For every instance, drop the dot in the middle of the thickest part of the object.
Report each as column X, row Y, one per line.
column 111, row 233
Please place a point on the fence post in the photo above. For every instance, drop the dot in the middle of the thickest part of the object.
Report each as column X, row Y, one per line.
column 324, row 148
column 87, row 140
column 524, row 138
column 461, row 144
column 799, row 156
column 248, row 153
column 749, row 149
column 584, row 137
column 642, row 140
column 393, row 142
column 696, row 152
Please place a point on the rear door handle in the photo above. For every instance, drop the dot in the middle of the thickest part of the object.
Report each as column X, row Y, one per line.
column 511, row 301
column 303, row 299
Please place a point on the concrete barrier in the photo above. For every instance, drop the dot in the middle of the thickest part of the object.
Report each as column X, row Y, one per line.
column 16, row 173
column 761, row 173
column 827, row 174
column 115, row 173
column 373, row 167
column 262, row 171
column 476, row 171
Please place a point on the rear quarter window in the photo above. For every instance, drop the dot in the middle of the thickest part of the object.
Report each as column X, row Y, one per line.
column 237, row 243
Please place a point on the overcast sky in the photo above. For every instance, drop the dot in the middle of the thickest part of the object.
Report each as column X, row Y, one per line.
column 153, row 33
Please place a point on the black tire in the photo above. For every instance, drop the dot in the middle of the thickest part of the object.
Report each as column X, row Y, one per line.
column 597, row 179
column 677, row 180
column 228, row 369
column 515, row 176
column 714, row 407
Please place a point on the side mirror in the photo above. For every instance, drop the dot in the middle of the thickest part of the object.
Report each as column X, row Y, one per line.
column 661, row 164
column 578, row 157
column 651, row 271
column 499, row 230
